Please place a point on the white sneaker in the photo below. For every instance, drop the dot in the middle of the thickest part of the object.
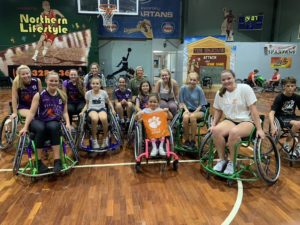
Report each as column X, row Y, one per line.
column 296, row 152
column 161, row 151
column 95, row 144
column 154, row 151
column 286, row 147
column 34, row 58
column 229, row 168
column 220, row 166
column 104, row 143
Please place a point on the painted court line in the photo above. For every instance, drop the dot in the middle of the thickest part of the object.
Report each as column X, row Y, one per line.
column 237, row 204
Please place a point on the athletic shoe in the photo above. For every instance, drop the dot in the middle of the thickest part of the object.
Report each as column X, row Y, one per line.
column 95, row 144
column 219, row 167
column 161, row 151
column 57, row 167
column 154, row 151
column 42, row 168
column 229, row 168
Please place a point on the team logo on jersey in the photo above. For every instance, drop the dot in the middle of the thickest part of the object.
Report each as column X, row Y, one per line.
column 59, row 101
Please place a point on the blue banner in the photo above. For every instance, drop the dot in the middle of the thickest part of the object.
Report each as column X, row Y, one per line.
column 156, row 19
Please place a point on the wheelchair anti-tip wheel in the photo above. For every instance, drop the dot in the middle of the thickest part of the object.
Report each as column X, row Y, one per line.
column 8, row 132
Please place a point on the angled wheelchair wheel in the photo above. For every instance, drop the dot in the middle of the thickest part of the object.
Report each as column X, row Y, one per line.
column 175, row 118
column 205, row 147
column 138, row 141
column 267, row 159
column 19, row 153
column 116, row 127
column 130, row 131
column 8, row 132
column 171, row 138
column 80, row 131
column 69, row 139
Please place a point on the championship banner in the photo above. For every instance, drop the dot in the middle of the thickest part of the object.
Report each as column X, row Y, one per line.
column 156, row 19
column 281, row 62
column 280, row 49
column 156, row 124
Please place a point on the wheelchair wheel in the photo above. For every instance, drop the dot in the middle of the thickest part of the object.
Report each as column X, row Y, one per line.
column 130, row 128
column 8, row 132
column 138, row 141
column 115, row 127
column 175, row 118
column 205, row 147
column 68, row 137
column 80, row 131
column 19, row 154
column 267, row 159
column 210, row 84
column 171, row 139
column 239, row 81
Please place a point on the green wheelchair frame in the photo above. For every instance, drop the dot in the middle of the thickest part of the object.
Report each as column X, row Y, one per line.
column 27, row 144
column 177, row 128
column 9, row 127
column 260, row 166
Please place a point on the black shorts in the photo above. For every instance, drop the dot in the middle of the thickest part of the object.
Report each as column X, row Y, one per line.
column 285, row 121
column 97, row 110
column 193, row 110
column 237, row 123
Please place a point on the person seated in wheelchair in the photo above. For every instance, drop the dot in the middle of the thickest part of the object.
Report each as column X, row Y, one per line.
column 97, row 111
column 168, row 91
column 122, row 97
column 153, row 106
column 193, row 101
column 94, row 72
column 75, row 92
column 142, row 99
column 237, row 102
column 274, row 81
column 283, row 108
column 44, row 118
column 251, row 78
column 24, row 87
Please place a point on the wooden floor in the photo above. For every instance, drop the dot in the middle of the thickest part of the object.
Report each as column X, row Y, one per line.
column 115, row 194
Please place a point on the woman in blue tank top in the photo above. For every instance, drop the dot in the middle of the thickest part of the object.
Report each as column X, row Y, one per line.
column 44, row 118
column 23, row 89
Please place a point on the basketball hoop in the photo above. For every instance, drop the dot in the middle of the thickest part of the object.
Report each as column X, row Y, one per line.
column 107, row 12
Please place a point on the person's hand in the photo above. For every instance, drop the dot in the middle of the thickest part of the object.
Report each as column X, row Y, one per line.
column 113, row 112
column 260, row 133
column 273, row 130
column 181, row 106
column 124, row 102
column 165, row 109
column 14, row 115
column 23, row 131
column 69, row 128
column 81, row 113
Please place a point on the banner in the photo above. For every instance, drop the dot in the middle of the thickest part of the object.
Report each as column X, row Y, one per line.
column 281, row 62
column 42, row 34
column 156, row 19
column 280, row 49
column 156, row 124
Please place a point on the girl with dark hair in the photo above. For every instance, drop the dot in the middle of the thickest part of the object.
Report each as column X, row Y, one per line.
column 143, row 96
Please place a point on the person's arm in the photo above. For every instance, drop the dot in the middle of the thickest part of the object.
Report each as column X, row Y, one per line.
column 110, row 105
column 137, row 104
column 119, row 63
column 58, row 13
column 217, row 116
column 66, row 117
column 64, row 86
column 271, row 121
column 181, row 103
column 256, row 119
column 253, row 80
column 40, row 86
column 157, row 87
column 86, row 104
column 14, row 101
column 138, row 115
column 175, row 90
column 31, row 114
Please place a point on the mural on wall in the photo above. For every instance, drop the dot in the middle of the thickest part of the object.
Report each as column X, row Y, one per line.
column 156, row 19
column 207, row 56
column 43, row 34
column 227, row 24
column 281, row 62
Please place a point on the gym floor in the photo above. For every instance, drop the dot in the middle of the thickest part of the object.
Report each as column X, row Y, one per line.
column 106, row 190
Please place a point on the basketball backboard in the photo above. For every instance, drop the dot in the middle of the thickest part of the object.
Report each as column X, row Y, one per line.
column 124, row 7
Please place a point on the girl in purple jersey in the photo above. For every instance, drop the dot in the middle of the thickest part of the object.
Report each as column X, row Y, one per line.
column 122, row 97
column 143, row 96
column 23, row 89
column 50, row 106
column 75, row 92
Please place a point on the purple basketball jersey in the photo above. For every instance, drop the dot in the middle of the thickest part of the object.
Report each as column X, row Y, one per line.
column 74, row 95
column 26, row 94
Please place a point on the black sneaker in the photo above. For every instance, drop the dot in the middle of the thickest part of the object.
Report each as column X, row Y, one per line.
column 57, row 167
column 42, row 168
column 192, row 144
column 187, row 143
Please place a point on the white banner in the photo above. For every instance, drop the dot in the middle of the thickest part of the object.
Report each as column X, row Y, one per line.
column 280, row 49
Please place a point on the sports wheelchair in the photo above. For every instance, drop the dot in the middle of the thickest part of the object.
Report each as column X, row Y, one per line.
column 177, row 127
column 291, row 153
column 84, row 130
column 9, row 129
column 263, row 160
column 207, row 82
column 143, row 147
column 27, row 144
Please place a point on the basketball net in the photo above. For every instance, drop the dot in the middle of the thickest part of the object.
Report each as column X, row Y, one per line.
column 107, row 12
